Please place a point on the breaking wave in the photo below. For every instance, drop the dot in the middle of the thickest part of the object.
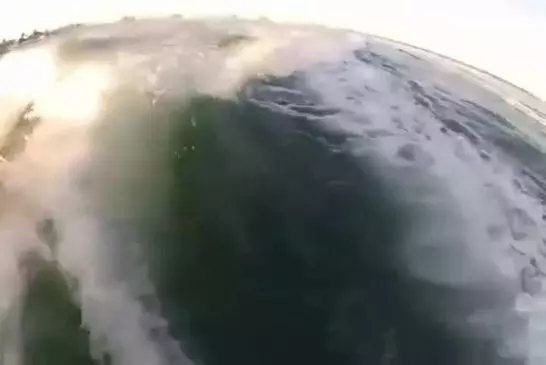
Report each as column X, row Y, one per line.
column 178, row 192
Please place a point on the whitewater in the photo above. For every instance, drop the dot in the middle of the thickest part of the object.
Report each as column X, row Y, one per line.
column 418, row 177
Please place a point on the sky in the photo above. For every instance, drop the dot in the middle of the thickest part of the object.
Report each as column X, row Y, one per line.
column 504, row 37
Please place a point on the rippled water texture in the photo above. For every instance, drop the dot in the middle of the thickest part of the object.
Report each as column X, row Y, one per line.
column 229, row 192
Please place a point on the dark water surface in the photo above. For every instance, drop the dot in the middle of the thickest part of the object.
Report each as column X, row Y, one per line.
column 267, row 243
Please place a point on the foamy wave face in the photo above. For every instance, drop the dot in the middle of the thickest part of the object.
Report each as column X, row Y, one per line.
column 231, row 191
column 483, row 232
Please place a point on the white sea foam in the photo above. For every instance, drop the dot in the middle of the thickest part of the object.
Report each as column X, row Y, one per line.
column 43, row 182
column 472, row 197
column 67, row 97
column 476, row 229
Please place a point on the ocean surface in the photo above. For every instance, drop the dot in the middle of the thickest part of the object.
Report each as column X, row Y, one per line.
column 233, row 192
